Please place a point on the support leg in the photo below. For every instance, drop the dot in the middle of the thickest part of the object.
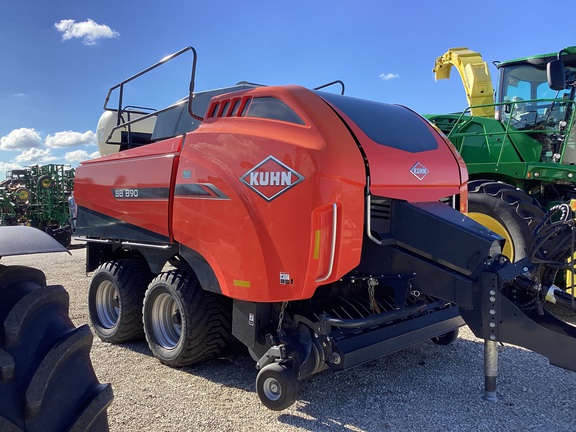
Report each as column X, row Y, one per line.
column 490, row 370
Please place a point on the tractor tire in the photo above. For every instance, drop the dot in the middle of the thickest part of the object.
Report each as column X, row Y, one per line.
column 184, row 324
column 47, row 382
column 44, row 182
column 22, row 195
column 115, row 299
column 506, row 210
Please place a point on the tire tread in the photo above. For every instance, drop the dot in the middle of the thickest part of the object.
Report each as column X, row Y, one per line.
column 208, row 315
column 47, row 380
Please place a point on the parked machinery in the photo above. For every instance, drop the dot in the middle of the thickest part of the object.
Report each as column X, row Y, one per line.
column 519, row 145
column 321, row 231
column 39, row 196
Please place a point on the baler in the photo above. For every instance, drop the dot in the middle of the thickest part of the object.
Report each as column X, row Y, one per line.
column 319, row 230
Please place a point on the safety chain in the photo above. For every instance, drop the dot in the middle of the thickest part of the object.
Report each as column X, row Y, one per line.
column 372, row 282
column 279, row 331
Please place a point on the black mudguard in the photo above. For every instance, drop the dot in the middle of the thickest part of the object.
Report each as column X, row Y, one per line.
column 24, row 240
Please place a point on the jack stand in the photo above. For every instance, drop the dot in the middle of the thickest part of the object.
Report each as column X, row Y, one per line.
column 490, row 370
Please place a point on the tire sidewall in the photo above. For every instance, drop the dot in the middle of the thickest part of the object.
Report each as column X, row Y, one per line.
column 165, row 355
column 506, row 215
column 104, row 333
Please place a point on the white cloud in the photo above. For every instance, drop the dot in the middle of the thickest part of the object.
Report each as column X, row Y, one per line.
column 8, row 166
column 21, row 139
column 80, row 156
column 35, row 155
column 36, row 150
column 89, row 31
column 388, row 76
column 70, row 139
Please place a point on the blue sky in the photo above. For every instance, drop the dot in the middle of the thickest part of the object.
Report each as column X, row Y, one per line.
column 58, row 58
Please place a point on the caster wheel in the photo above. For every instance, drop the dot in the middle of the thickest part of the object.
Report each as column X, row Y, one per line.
column 446, row 338
column 277, row 386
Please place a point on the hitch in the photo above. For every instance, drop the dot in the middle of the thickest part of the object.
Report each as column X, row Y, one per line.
column 510, row 300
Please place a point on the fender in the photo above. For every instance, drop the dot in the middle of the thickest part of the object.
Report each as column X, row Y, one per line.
column 24, row 240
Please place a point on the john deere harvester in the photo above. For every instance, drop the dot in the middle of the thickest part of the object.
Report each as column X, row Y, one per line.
column 519, row 146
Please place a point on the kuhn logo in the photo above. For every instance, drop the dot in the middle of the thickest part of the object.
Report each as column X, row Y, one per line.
column 419, row 171
column 271, row 178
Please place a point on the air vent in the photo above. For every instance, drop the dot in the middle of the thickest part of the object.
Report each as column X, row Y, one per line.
column 380, row 209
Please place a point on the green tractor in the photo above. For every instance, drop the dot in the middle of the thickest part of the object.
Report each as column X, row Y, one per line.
column 520, row 147
column 39, row 196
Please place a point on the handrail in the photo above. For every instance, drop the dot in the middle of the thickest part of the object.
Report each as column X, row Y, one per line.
column 139, row 119
column 332, row 244
column 506, row 103
column 332, row 83
column 166, row 59
column 510, row 130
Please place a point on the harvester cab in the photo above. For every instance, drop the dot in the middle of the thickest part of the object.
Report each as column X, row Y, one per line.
column 321, row 231
column 537, row 95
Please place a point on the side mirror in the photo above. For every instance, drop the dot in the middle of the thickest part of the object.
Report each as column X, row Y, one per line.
column 555, row 73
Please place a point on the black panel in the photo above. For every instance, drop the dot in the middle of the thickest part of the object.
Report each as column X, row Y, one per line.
column 370, row 346
column 191, row 190
column 444, row 235
column 90, row 223
column 205, row 274
column 386, row 124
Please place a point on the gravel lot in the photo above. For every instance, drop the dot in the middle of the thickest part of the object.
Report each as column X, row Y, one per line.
column 422, row 388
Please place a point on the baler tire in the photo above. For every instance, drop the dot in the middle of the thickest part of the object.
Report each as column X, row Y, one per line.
column 446, row 338
column 115, row 299
column 277, row 386
column 510, row 212
column 184, row 324
column 47, row 381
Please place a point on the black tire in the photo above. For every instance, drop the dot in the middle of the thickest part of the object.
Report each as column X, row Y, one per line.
column 44, row 182
column 47, row 382
column 446, row 338
column 22, row 195
column 184, row 324
column 115, row 299
column 277, row 386
column 511, row 212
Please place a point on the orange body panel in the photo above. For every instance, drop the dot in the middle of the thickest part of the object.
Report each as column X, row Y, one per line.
column 273, row 250
column 277, row 208
column 108, row 186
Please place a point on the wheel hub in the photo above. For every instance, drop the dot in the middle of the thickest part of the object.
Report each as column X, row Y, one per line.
column 166, row 321
column 493, row 225
column 272, row 389
column 107, row 304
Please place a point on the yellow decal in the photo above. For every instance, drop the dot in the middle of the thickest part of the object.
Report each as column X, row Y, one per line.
column 241, row 283
column 316, row 244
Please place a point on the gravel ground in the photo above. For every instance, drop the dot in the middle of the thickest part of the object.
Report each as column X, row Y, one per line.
column 422, row 388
